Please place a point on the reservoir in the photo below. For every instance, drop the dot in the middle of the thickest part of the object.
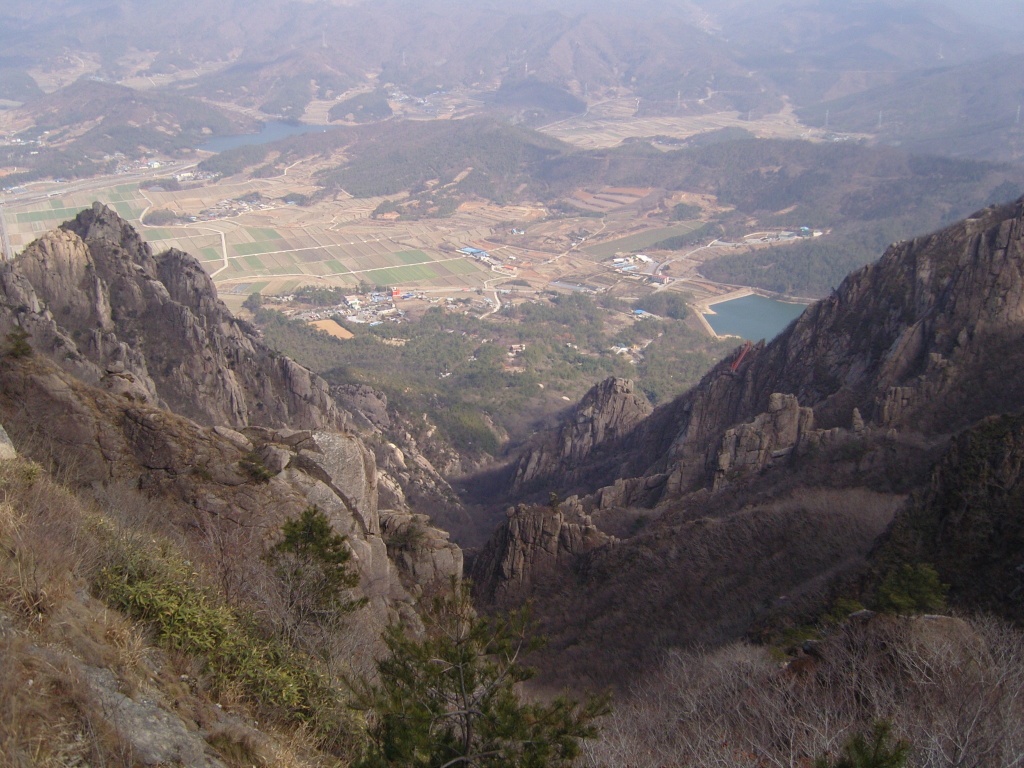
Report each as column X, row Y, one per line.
column 273, row 130
column 753, row 317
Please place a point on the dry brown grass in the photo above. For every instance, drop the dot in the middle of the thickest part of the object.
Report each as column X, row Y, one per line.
column 48, row 717
column 53, row 544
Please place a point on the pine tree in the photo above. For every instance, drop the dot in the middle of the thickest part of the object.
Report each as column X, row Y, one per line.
column 912, row 589
column 311, row 562
column 871, row 751
column 449, row 698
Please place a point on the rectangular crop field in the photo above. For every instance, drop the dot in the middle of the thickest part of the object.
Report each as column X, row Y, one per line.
column 461, row 267
column 263, row 233
column 411, row 257
column 399, row 275
column 639, row 241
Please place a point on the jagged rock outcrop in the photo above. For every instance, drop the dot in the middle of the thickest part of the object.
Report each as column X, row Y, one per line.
column 605, row 414
column 422, row 552
column 92, row 296
column 216, row 471
column 532, row 547
column 926, row 339
column 745, row 501
column 153, row 382
column 771, row 436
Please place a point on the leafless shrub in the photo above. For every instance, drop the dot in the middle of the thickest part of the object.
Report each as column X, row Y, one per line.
column 953, row 688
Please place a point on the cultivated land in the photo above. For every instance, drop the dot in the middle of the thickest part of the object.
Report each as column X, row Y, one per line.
column 274, row 248
column 608, row 123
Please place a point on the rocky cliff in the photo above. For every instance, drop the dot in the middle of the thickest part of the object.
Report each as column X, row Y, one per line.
column 925, row 339
column 94, row 298
column 605, row 414
column 746, row 500
column 153, row 382
column 533, row 546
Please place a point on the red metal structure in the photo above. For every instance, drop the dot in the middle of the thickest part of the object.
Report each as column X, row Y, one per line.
column 738, row 360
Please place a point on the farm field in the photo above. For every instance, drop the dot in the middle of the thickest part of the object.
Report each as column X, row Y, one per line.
column 639, row 241
column 250, row 240
column 608, row 123
column 278, row 248
column 26, row 224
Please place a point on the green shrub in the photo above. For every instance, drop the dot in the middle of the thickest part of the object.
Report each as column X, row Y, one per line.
column 870, row 751
column 912, row 589
column 150, row 583
column 253, row 465
column 19, row 346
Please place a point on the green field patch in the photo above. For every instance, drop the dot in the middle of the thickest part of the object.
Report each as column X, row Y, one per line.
column 56, row 204
column 397, row 275
column 126, row 211
column 253, row 262
column 335, row 266
column 248, row 249
column 157, row 234
column 257, row 287
column 289, row 287
column 57, row 215
column 263, row 233
column 462, row 267
column 639, row 241
column 210, row 254
column 411, row 257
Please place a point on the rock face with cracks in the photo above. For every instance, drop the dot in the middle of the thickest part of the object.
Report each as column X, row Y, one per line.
column 153, row 381
column 94, row 298
column 927, row 339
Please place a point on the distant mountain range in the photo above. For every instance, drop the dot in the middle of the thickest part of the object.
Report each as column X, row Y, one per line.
column 970, row 110
column 675, row 56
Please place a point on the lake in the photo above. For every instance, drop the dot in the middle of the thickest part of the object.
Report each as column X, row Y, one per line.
column 273, row 130
column 753, row 317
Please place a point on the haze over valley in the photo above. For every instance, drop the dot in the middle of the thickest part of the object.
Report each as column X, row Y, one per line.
column 350, row 347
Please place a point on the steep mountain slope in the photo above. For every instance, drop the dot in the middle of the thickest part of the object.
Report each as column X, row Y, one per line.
column 145, row 559
column 150, row 376
column 924, row 339
column 94, row 297
column 968, row 522
column 746, row 500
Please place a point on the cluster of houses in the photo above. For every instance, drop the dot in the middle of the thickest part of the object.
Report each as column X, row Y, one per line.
column 227, row 208
column 371, row 309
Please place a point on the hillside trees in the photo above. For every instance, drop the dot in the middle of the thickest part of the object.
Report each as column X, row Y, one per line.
column 449, row 699
column 311, row 563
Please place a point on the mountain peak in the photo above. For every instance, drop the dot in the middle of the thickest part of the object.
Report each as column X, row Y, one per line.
column 99, row 301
